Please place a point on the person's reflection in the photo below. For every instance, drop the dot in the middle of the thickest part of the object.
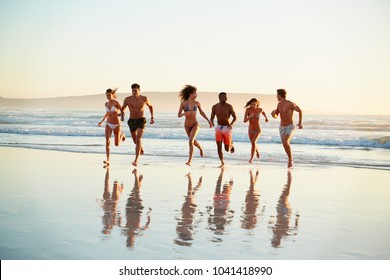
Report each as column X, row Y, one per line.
column 185, row 224
column 110, row 202
column 283, row 215
column 134, row 210
column 221, row 216
column 249, row 218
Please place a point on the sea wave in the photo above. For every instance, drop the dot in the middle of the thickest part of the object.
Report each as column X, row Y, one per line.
column 351, row 141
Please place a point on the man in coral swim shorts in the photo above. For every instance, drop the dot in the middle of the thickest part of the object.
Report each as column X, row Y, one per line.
column 223, row 131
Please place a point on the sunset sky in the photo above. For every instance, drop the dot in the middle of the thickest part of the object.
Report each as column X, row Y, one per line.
column 330, row 55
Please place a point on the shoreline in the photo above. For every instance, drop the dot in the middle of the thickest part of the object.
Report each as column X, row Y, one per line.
column 63, row 201
column 147, row 159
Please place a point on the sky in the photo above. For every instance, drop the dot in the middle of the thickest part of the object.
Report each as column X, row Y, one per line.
column 330, row 55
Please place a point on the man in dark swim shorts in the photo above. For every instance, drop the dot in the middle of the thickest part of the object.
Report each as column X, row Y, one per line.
column 137, row 121
column 134, row 124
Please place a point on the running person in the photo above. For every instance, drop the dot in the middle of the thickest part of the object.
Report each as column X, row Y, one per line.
column 252, row 114
column 223, row 131
column 136, row 103
column 286, row 110
column 113, row 111
column 188, row 108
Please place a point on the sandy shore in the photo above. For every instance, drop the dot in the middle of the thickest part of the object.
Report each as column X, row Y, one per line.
column 57, row 205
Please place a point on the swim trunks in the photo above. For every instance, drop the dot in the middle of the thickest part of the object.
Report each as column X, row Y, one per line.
column 134, row 124
column 286, row 130
column 223, row 134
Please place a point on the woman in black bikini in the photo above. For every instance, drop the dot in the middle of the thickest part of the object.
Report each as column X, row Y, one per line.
column 188, row 108
column 252, row 114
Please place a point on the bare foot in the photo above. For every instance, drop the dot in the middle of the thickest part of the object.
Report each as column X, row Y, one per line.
column 142, row 151
column 222, row 164
column 188, row 163
column 251, row 160
column 106, row 162
column 232, row 149
column 123, row 136
column 134, row 163
column 257, row 153
column 290, row 164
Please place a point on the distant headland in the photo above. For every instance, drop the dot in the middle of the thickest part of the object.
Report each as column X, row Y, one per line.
column 161, row 101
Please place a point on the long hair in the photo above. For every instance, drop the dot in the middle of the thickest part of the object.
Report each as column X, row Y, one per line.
column 112, row 91
column 251, row 101
column 186, row 92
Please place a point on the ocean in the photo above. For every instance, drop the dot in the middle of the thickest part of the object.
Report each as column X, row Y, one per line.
column 58, row 202
column 343, row 140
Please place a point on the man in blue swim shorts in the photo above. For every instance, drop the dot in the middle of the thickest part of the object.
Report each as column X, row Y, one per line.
column 286, row 110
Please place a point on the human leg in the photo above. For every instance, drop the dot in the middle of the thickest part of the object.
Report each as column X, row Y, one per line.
column 227, row 140
column 254, row 136
column 197, row 144
column 220, row 153
column 286, row 133
column 219, row 139
column 287, row 147
column 250, row 135
column 138, row 147
column 191, row 141
column 119, row 135
column 134, row 124
column 108, row 133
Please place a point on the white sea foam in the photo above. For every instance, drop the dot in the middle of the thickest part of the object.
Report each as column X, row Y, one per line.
column 325, row 139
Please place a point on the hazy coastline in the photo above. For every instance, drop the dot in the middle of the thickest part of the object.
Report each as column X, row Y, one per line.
column 162, row 101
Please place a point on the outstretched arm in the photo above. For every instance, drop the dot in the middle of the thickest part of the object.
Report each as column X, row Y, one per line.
column 119, row 107
column 265, row 116
column 204, row 115
column 123, row 109
column 212, row 115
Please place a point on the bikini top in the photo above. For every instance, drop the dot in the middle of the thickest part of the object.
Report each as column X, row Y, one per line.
column 113, row 109
column 187, row 108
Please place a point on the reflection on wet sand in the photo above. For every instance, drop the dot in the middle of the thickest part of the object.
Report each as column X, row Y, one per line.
column 221, row 215
column 111, row 216
column 134, row 210
column 283, row 215
column 185, row 225
column 252, row 201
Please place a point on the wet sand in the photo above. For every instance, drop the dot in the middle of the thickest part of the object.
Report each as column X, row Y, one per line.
column 57, row 205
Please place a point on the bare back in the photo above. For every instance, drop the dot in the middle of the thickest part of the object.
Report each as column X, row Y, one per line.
column 286, row 110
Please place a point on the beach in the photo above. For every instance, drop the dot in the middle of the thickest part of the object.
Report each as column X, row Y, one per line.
column 58, row 205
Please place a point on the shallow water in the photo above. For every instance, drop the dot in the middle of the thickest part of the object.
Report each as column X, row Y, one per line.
column 343, row 140
column 56, row 205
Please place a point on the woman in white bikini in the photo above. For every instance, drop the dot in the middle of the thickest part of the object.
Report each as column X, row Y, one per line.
column 252, row 114
column 191, row 125
column 113, row 112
